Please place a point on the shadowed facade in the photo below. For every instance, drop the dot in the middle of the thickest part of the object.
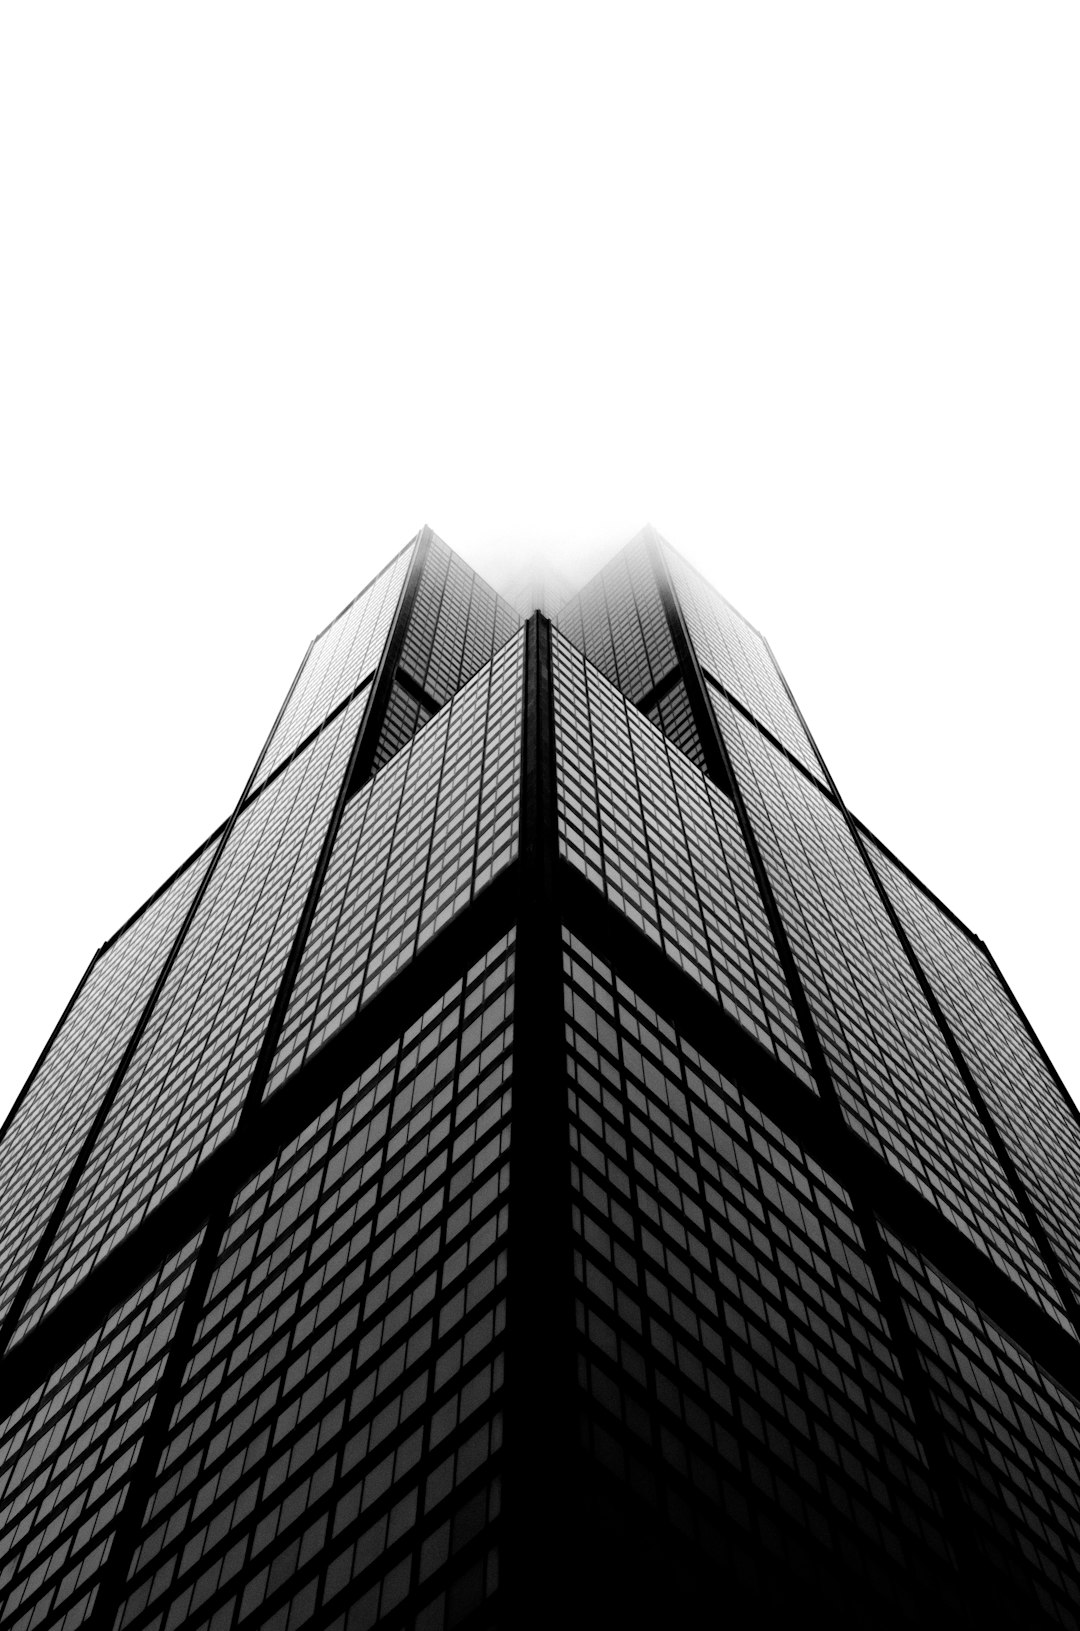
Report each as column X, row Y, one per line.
column 541, row 1160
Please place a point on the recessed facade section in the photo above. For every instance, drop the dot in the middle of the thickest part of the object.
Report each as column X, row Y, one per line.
column 541, row 1161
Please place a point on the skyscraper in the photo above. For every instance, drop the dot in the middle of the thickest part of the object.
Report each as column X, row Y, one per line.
column 540, row 1159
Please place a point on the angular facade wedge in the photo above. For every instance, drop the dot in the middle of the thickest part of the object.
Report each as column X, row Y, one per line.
column 542, row 1160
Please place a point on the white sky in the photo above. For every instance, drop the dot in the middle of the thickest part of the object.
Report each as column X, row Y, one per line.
column 798, row 284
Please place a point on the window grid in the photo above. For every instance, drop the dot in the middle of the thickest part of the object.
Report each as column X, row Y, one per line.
column 66, row 1456
column 732, row 1343
column 735, row 652
column 663, row 843
column 618, row 622
column 896, row 1081
column 457, row 625
column 346, row 653
column 45, row 1135
column 415, row 845
column 335, row 1453
column 674, row 716
column 1013, row 1435
column 1040, row 1134
column 405, row 715
column 340, row 1415
column 185, row 1086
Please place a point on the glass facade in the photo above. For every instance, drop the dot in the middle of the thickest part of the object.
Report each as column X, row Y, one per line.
column 738, row 658
column 663, row 843
column 345, row 654
column 1012, row 1434
column 55, row 1113
column 736, row 1364
column 618, row 622
column 184, row 1088
column 456, row 625
column 894, row 1077
column 1036, row 1123
column 540, row 1161
column 337, row 1432
column 416, row 843
column 67, row 1453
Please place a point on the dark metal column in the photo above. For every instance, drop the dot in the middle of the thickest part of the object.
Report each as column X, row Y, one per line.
column 926, row 1416
column 78, row 1166
column 997, row 1142
column 357, row 770
column 539, row 1370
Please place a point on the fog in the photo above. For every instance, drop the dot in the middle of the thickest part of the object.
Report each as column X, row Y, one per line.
column 798, row 285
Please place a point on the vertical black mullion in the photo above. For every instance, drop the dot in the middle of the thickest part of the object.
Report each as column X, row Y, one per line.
column 422, row 681
column 402, row 810
column 114, row 1575
column 722, row 771
column 690, row 867
column 484, row 753
column 367, row 743
column 927, row 1422
column 357, row 769
column 990, row 1127
column 151, row 1447
column 78, row 1166
column 717, row 762
column 465, row 658
column 539, row 1440
column 636, row 774
column 978, row 1599
column 617, row 677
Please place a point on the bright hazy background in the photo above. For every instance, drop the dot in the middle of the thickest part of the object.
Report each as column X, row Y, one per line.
column 797, row 284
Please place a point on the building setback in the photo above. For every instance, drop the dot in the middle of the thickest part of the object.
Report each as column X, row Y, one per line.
column 541, row 1161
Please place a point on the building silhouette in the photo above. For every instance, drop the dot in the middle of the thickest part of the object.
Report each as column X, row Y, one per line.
column 540, row 1161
